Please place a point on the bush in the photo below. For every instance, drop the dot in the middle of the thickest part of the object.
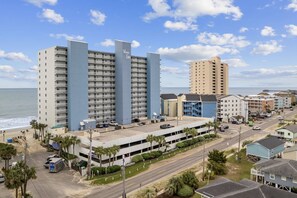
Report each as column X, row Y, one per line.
column 98, row 170
column 151, row 155
column 146, row 156
column 137, row 158
column 212, row 135
column 201, row 139
column 180, row 145
column 206, row 136
column 189, row 178
column 185, row 191
column 113, row 169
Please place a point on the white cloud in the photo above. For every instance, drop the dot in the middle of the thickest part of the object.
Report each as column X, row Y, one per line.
column 267, row 48
column 6, row 68
column 14, row 56
column 39, row 3
column 293, row 5
column 291, row 29
column 67, row 37
column 194, row 52
column 267, row 31
column 243, row 29
column 235, row 62
column 283, row 35
column 175, row 70
column 180, row 26
column 97, row 17
column 223, row 39
column 51, row 16
column 107, row 43
column 192, row 9
column 135, row 44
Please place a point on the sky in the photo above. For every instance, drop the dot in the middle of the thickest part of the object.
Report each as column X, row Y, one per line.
column 258, row 39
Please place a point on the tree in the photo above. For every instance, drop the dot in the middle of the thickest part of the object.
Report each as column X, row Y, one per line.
column 33, row 124
column 149, row 193
column 100, row 151
column 58, row 139
column 18, row 177
column 74, row 141
column 215, row 126
column 189, row 178
column 150, row 139
column 187, row 131
column 65, row 144
column 47, row 138
column 217, row 162
column 109, row 154
column 114, row 150
column 208, row 125
column 160, row 140
column 193, row 132
column 41, row 128
column 7, row 151
column 173, row 186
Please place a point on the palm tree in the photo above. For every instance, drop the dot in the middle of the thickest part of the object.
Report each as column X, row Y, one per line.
column 100, row 151
column 160, row 140
column 193, row 132
column 186, row 131
column 173, row 186
column 109, row 154
column 74, row 141
column 66, row 143
column 114, row 150
column 7, row 151
column 33, row 124
column 47, row 138
column 13, row 180
column 41, row 127
column 58, row 139
column 208, row 125
column 150, row 139
column 216, row 125
column 149, row 193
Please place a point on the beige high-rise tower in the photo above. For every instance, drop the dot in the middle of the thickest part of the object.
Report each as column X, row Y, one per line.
column 209, row 76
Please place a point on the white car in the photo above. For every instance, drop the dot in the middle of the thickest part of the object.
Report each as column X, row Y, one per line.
column 112, row 123
column 256, row 128
column 2, row 178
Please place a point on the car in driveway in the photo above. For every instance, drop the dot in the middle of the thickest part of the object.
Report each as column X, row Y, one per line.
column 51, row 156
column 165, row 126
column 256, row 128
column 2, row 178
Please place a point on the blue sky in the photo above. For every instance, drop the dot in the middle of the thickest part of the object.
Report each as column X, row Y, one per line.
column 257, row 38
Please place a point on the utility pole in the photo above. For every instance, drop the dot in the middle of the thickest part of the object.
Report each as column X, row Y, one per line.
column 239, row 138
column 25, row 146
column 124, row 175
column 90, row 154
column 203, row 170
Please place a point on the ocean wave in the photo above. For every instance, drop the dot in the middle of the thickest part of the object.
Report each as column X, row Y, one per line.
column 14, row 123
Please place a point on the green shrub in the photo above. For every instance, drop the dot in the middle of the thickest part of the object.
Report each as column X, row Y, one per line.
column 206, row 136
column 146, row 156
column 201, row 139
column 155, row 154
column 189, row 178
column 212, row 135
column 98, row 170
column 137, row 158
column 180, row 145
column 185, row 191
column 113, row 169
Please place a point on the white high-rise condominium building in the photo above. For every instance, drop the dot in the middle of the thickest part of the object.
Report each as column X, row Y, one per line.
column 76, row 83
column 209, row 77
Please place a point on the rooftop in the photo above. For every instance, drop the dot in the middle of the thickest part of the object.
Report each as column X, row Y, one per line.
column 108, row 134
column 168, row 96
column 292, row 128
column 270, row 142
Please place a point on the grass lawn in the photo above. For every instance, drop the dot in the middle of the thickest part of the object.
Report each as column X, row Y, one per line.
column 238, row 170
column 141, row 166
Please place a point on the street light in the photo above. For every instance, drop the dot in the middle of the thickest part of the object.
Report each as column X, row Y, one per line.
column 124, row 175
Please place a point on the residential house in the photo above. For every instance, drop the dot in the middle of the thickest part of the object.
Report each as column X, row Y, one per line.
column 266, row 148
column 279, row 173
column 290, row 153
column 230, row 107
column 288, row 133
column 225, row 188
column 197, row 105
column 169, row 105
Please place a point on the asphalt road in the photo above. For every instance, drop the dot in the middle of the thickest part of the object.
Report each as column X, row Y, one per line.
column 132, row 184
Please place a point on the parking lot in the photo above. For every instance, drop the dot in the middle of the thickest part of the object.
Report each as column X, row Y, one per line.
column 48, row 185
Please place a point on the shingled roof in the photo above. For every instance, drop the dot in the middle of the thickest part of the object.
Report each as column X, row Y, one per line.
column 292, row 128
column 168, row 96
column 270, row 142
column 281, row 167
column 243, row 189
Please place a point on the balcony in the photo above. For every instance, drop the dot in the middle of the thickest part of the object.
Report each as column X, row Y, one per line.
column 61, row 58
column 61, row 78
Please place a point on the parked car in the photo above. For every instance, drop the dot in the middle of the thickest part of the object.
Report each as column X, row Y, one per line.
column 224, row 126
column 113, row 123
column 256, row 128
column 51, row 156
column 2, row 178
column 46, row 164
column 165, row 126
column 235, row 122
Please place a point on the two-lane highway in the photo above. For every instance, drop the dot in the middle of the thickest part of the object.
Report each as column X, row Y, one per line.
column 132, row 184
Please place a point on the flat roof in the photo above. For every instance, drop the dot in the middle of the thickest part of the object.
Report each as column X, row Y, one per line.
column 108, row 134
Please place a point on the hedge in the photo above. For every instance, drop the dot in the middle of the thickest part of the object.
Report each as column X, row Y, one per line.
column 190, row 142
column 137, row 158
column 151, row 155
column 103, row 170
column 185, row 191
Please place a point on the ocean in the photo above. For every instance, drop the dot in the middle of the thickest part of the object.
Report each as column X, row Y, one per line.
column 19, row 106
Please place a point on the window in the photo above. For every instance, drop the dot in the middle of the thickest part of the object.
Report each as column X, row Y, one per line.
column 272, row 176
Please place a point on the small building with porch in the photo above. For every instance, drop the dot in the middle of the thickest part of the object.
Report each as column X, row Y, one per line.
column 278, row 173
column 266, row 148
column 288, row 133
